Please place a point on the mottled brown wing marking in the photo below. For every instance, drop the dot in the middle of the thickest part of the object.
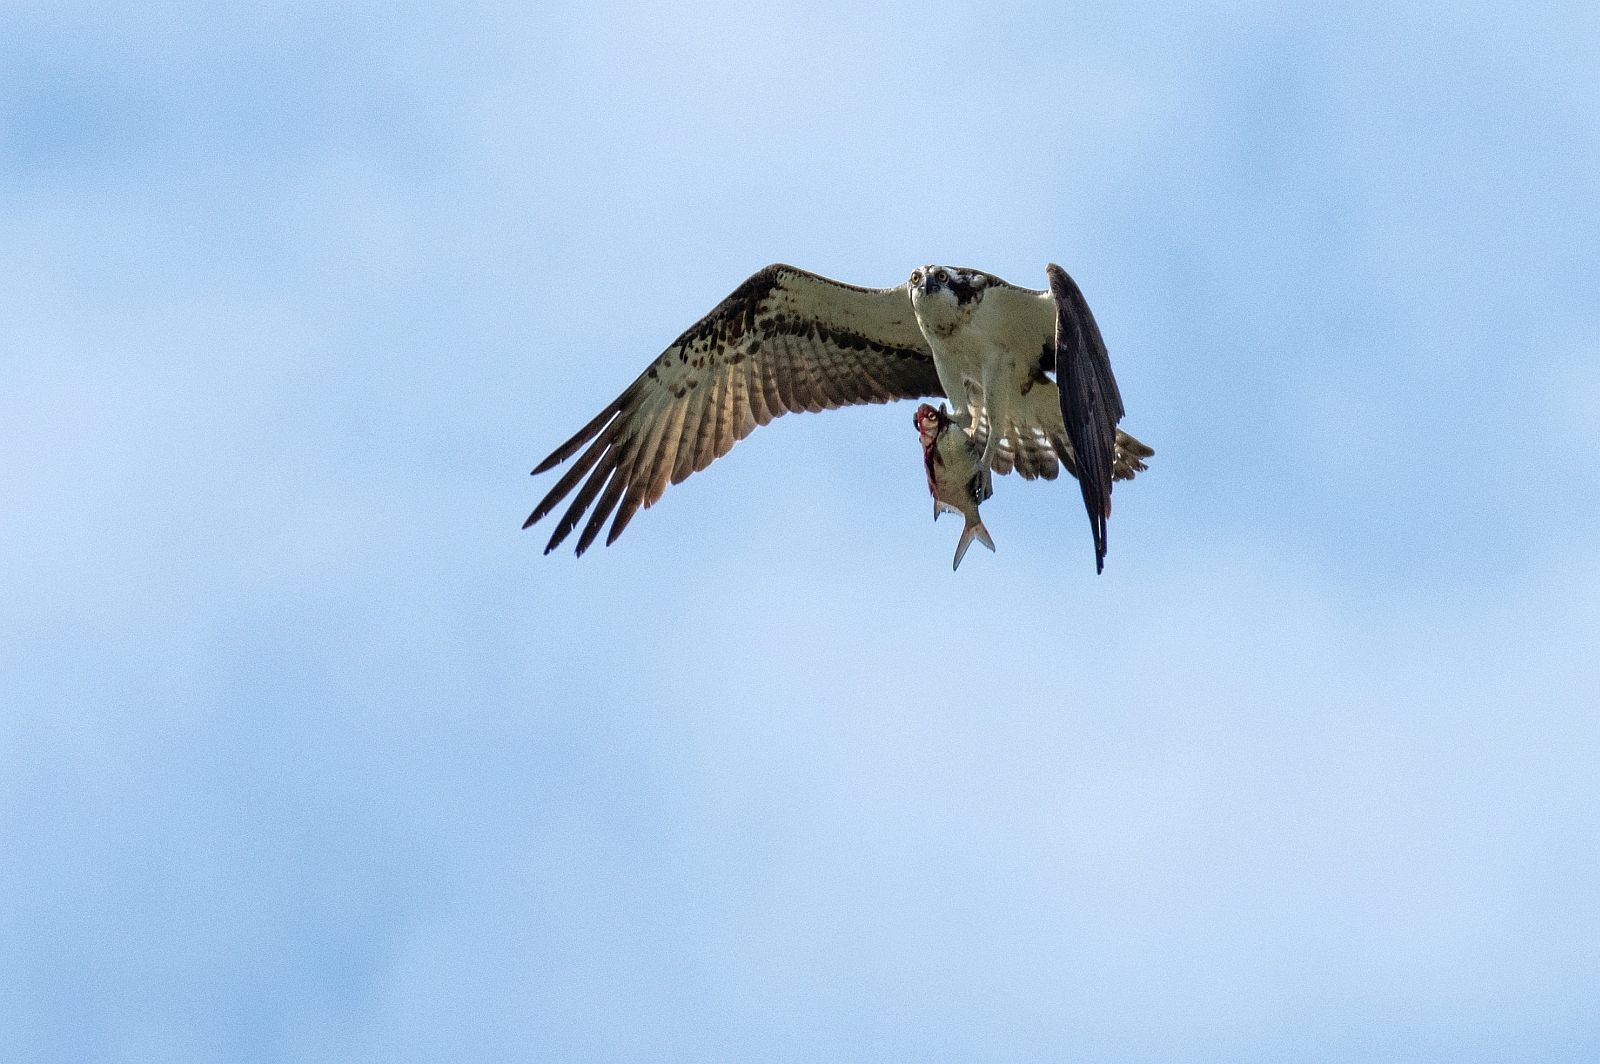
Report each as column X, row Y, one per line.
column 649, row 465
column 850, row 388
column 725, row 417
column 684, row 465
column 857, row 379
column 782, row 379
column 867, row 389
column 1034, row 457
column 790, row 382
column 880, row 375
column 633, row 497
column 783, row 341
column 763, row 400
column 799, row 396
column 1130, row 457
column 706, row 441
column 1004, row 459
column 661, row 468
column 696, row 430
column 849, row 384
column 744, row 421
column 822, row 362
column 808, row 394
column 769, row 384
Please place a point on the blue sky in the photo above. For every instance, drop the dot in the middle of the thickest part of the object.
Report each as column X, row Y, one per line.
column 307, row 754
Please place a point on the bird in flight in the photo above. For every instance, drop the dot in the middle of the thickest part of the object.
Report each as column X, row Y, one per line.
column 1025, row 372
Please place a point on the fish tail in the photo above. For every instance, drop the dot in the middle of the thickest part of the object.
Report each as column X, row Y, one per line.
column 974, row 530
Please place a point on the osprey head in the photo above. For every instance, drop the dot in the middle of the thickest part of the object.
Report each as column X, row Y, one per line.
column 945, row 297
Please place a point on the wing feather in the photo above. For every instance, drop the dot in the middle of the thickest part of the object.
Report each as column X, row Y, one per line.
column 793, row 381
column 572, row 476
column 1091, row 406
column 726, row 398
column 1130, row 457
column 603, row 508
column 691, row 432
column 821, row 364
column 706, row 437
column 782, row 375
column 580, row 503
column 764, row 404
column 846, row 381
column 856, row 379
column 568, row 449
column 649, row 461
column 814, row 366
column 744, row 418
column 661, row 469
column 783, row 341
column 875, row 379
column 632, row 498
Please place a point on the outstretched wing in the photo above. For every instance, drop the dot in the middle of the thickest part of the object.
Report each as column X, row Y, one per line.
column 1091, row 406
column 785, row 340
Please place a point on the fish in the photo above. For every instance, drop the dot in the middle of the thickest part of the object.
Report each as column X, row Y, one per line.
column 957, row 479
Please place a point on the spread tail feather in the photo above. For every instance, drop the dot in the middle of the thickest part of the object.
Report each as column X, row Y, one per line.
column 974, row 530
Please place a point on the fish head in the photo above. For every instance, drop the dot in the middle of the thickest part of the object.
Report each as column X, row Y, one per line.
column 930, row 423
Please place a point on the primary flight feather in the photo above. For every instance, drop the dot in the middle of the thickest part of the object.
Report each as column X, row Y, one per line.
column 787, row 340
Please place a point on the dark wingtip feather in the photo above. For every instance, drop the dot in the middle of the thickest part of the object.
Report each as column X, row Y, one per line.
column 608, row 502
column 1090, row 403
column 584, row 435
column 580, row 502
column 625, row 512
column 570, row 479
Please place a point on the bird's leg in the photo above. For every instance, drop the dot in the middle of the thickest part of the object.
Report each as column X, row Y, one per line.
column 955, row 389
column 996, row 404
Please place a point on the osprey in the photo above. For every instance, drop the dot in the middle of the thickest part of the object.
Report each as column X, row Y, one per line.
column 787, row 340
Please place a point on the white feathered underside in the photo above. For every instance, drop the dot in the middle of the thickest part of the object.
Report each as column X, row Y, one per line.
column 1036, row 443
column 1031, row 442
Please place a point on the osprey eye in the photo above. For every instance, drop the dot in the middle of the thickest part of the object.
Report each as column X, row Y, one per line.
column 916, row 276
column 940, row 276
